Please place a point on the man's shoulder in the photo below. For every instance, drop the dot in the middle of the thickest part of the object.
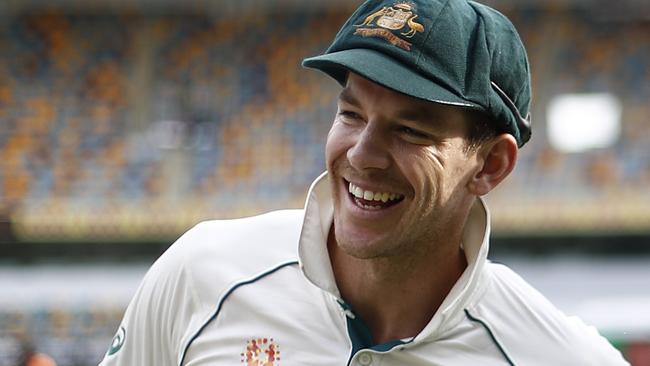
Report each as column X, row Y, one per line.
column 531, row 328
column 513, row 290
column 182, row 288
column 216, row 253
column 271, row 231
column 274, row 227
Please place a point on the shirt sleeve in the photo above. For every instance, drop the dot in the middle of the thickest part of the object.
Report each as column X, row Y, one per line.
column 596, row 347
column 536, row 332
column 156, row 320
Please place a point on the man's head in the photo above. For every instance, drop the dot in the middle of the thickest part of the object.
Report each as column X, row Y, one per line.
column 403, row 170
column 429, row 118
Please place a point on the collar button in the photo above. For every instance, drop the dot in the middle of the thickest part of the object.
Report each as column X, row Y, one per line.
column 365, row 359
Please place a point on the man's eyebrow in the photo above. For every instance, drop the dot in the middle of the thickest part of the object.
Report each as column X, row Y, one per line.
column 347, row 97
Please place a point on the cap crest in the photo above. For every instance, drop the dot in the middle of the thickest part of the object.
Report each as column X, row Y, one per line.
column 391, row 18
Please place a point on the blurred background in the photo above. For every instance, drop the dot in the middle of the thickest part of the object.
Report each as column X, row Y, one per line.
column 124, row 123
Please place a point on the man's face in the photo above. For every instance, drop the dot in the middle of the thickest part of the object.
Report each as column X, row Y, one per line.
column 405, row 161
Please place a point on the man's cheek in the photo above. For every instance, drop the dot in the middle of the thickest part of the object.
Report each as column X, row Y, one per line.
column 334, row 147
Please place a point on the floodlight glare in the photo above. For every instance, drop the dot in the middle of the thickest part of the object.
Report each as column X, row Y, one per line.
column 579, row 122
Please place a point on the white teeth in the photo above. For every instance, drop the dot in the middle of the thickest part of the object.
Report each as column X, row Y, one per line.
column 358, row 192
column 377, row 196
column 372, row 196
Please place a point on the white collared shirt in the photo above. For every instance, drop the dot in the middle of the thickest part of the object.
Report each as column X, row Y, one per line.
column 261, row 291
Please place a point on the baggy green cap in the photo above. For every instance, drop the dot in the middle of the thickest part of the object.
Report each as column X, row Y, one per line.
column 453, row 52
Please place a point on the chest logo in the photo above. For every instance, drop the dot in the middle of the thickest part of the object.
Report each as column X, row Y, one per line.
column 261, row 352
column 391, row 18
column 117, row 342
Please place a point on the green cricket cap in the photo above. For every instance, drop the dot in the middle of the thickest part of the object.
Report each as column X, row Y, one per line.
column 454, row 52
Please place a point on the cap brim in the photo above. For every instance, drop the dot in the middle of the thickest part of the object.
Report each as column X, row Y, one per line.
column 385, row 71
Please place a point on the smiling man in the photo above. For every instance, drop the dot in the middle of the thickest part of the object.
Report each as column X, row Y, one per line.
column 387, row 264
column 403, row 180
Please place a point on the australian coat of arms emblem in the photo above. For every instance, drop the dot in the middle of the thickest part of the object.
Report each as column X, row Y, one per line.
column 383, row 22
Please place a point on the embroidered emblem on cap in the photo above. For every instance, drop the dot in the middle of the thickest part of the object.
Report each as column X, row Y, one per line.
column 261, row 352
column 388, row 19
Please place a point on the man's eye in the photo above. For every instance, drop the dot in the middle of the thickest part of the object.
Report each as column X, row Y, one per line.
column 413, row 133
column 349, row 115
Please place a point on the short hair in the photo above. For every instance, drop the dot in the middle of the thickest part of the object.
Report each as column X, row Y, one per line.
column 481, row 129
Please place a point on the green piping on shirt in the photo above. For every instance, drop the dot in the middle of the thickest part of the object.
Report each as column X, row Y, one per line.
column 501, row 349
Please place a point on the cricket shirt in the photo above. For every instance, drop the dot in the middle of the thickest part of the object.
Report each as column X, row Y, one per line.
column 260, row 291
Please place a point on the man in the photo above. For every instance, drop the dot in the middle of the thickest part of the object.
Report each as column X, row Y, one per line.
column 386, row 265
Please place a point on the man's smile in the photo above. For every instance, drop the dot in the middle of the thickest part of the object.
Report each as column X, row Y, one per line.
column 368, row 199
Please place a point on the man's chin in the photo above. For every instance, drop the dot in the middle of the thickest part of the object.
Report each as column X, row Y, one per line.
column 361, row 245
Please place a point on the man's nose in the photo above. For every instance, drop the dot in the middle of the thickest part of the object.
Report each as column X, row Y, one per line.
column 370, row 150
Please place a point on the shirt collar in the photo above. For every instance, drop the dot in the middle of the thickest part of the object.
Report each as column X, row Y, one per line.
column 315, row 261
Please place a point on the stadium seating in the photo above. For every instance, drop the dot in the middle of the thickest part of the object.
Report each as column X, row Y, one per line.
column 205, row 116
column 223, row 112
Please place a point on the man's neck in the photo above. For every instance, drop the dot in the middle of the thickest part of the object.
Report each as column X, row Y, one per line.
column 397, row 297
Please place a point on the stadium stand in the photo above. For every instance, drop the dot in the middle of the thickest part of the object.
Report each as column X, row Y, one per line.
column 221, row 112
column 109, row 135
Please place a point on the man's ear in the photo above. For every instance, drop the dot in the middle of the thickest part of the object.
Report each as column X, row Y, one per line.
column 498, row 156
